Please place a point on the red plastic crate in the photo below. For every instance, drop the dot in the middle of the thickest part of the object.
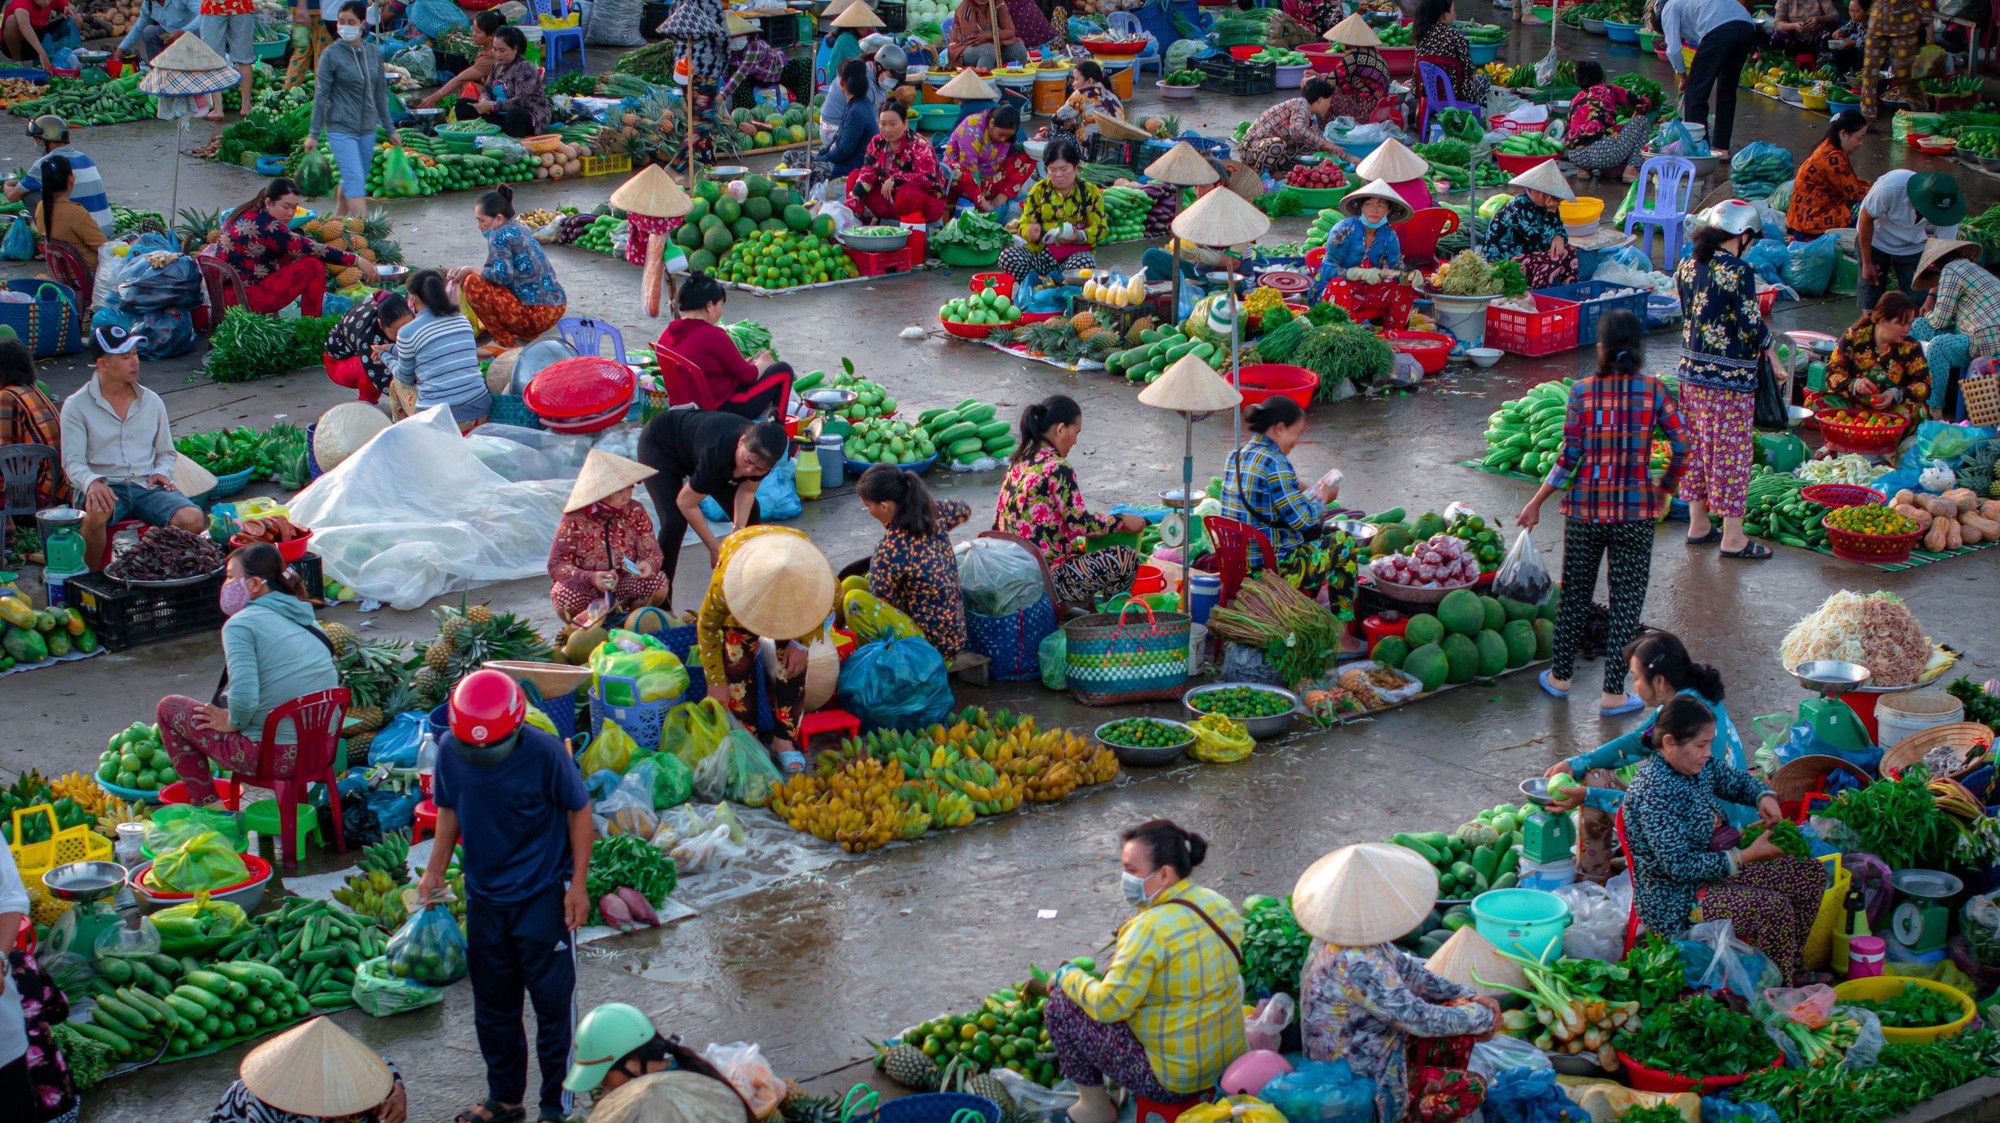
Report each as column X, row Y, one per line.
column 881, row 262
column 1549, row 329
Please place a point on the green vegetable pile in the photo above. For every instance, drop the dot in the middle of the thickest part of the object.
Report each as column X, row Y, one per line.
column 1470, row 274
column 1698, row 1036
column 1345, row 356
column 974, row 231
column 86, row 101
column 281, row 458
column 1242, row 702
column 1916, row 1008
column 1980, row 706
column 1462, row 126
column 1394, row 35
column 1647, row 91
column 1187, row 76
column 88, row 1058
column 1274, row 946
column 1652, row 1113
column 750, row 337
column 625, row 861
column 1777, row 511
column 1898, row 821
column 1528, row 144
column 223, row 452
column 248, row 346
column 1903, row 1076
column 1786, row 836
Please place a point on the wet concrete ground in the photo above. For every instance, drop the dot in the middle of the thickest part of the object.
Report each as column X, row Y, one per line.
column 813, row 967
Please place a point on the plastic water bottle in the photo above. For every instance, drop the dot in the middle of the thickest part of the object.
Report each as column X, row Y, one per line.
column 427, row 753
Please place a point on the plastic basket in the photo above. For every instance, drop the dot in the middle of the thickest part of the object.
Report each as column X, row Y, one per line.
column 1982, row 399
column 1833, row 496
column 64, row 845
column 1545, row 331
column 1872, row 440
column 510, row 409
column 1228, row 75
column 1592, row 303
column 1646, row 1079
column 967, row 256
column 894, row 14
column 1870, row 549
column 935, row 1107
column 607, row 165
column 640, row 719
column 1012, row 643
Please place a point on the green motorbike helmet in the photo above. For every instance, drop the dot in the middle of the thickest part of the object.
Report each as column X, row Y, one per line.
column 606, row 1034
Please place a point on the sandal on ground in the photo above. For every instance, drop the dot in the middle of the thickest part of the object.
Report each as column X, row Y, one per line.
column 1631, row 704
column 495, row 1112
column 1714, row 535
column 792, row 762
column 1755, row 551
column 1549, row 689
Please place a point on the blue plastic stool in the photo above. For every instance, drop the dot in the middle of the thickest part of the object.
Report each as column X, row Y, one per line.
column 557, row 42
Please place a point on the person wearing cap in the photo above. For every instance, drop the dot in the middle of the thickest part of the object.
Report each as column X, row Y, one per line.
column 751, row 58
column 888, row 67
column 1261, row 489
column 1723, row 339
column 1364, row 73
column 515, row 294
column 616, row 1045
column 272, row 652
column 484, row 24
column 604, row 546
column 1530, row 229
column 1166, row 1017
column 672, row 1097
column 1364, row 1000
column 279, row 266
column 28, row 22
column 56, row 217
column 1962, row 313
column 350, row 101
column 512, row 794
column 28, row 417
column 1877, row 366
column 312, row 1072
column 1900, row 213
column 86, row 187
column 898, row 176
column 1826, row 191
column 1723, row 35
column 118, row 447
column 1062, row 219
column 985, row 157
column 1090, row 94
column 973, row 36
column 769, row 582
column 1445, row 47
column 702, row 453
column 1290, row 129
column 160, row 22
column 1366, row 239
column 1041, row 501
column 1597, row 140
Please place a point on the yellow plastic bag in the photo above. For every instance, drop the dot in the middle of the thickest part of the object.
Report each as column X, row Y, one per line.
column 1220, row 739
column 541, row 721
column 694, row 730
column 1233, row 1109
column 655, row 674
column 1606, row 1100
column 612, row 748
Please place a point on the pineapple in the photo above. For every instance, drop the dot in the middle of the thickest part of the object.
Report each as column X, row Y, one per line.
column 428, row 684
column 347, row 278
column 437, row 656
column 1141, row 325
column 908, row 1065
column 801, row 1108
column 198, row 228
column 479, row 614
column 340, row 635
column 388, row 252
column 376, row 226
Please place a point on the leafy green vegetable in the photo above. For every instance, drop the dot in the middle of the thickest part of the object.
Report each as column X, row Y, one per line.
column 1786, row 835
column 974, row 231
column 224, row 452
column 627, row 861
column 1274, row 946
column 248, row 346
column 1652, row 1113
column 1980, row 706
column 1898, row 821
column 1699, row 1036
column 1282, row 203
column 750, row 337
column 1915, row 1008
column 88, row 1059
column 1344, row 355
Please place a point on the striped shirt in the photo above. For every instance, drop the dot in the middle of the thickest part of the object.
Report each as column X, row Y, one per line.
column 1968, row 301
column 1607, row 449
column 440, row 356
column 1176, row 985
column 86, row 188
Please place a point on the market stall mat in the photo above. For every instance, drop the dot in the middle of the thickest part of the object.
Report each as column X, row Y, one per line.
column 1034, row 357
column 73, row 656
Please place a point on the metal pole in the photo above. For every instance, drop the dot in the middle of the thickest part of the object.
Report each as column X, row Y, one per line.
column 1187, row 502
column 1235, row 349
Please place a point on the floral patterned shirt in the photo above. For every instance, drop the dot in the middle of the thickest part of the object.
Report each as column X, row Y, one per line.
column 588, row 543
column 920, row 577
column 1968, row 302
column 887, row 167
column 1363, row 1005
column 355, row 335
column 1859, row 371
column 1825, row 192
column 228, row 7
column 1075, row 115
column 1593, row 114
column 1521, row 228
column 257, row 245
column 1040, row 501
column 1723, row 330
column 239, row 1106
column 43, row 1007
column 1291, row 122
column 1082, row 206
column 515, row 261
column 991, row 171
column 1670, row 820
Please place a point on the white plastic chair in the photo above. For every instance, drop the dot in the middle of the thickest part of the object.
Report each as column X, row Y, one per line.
column 1125, row 23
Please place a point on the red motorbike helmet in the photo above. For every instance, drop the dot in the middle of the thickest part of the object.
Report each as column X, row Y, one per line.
column 487, row 707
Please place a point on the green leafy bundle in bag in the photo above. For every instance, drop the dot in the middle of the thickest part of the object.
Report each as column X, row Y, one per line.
column 399, row 175
column 315, row 175
column 205, row 861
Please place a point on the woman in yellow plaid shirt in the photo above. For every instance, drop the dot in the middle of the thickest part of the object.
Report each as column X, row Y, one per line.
column 1167, row 1017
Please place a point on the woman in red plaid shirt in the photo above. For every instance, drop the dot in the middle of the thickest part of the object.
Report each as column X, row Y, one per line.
column 1612, row 500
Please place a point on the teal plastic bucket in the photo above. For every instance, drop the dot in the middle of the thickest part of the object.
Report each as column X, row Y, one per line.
column 1524, row 922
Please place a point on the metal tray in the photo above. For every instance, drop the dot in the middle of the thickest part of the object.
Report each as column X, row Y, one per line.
column 174, row 583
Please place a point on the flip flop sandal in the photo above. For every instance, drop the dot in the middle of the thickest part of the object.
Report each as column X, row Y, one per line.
column 495, row 1113
column 1755, row 551
column 1714, row 535
column 1549, row 690
column 792, row 762
column 1632, row 704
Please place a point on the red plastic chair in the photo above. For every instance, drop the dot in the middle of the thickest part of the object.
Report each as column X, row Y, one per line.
column 1232, row 541
column 66, row 267
column 1418, row 235
column 686, row 385
column 110, row 532
column 1625, row 848
column 316, row 719
column 225, row 288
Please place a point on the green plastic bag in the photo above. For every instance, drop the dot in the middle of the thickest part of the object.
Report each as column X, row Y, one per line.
column 693, row 730
column 399, row 176
column 205, row 861
column 200, row 927
column 1054, row 656
column 655, row 674
column 383, row 994
column 176, row 823
column 673, row 782
column 315, row 174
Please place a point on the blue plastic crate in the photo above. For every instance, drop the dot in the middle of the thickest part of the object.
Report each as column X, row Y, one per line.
column 512, row 409
column 1591, row 303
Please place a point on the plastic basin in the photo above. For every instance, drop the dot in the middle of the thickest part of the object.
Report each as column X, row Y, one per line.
column 1889, row 986
column 291, row 550
column 936, row 117
column 1582, row 212
column 968, row 331
column 1260, row 381
column 1653, row 1080
column 1621, row 32
column 176, row 792
column 1525, row 922
column 1401, row 61
column 1320, row 57
column 1320, row 198
column 1515, row 165
column 1483, row 53
column 1431, row 349
column 245, row 894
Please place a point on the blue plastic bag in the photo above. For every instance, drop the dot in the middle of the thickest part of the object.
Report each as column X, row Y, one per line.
column 19, row 245
column 1528, row 1095
column 435, row 17
column 1798, row 739
column 1722, row 1109
column 1758, row 168
column 896, row 683
column 1769, row 260
column 396, row 745
column 428, row 949
column 777, row 497
column 1811, row 264
column 1942, row 440
column 1322, row 1092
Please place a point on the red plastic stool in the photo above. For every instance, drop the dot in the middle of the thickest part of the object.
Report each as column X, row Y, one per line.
column 425, row 822
column 110, row 532
column 832, row 720
column 1152, row 1111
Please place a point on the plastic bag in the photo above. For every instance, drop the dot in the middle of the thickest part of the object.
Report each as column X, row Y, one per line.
column 896, row 683
column 1799, row 740
column 399, row 176
column 382, row 994
column 1807, row 1005
column 1768, row 259
column 1599, row 914
column 1715, row 959
column 1526, row 1095
column 1521, row 576
column 673, row 782
column 200, row 927
column 1322, row 1092
column 1264, row 1027
column 744, row 1066
column 741, row 772
column 1217, row 743
column 629, row 807
column 1243, row 663
column 611, row 750
column 428, row 949
column 1757, row 168
column 435, row 17
column 205, row 861
column 315, row 174
column 1722, row 1109
column 1865, row 1051
column 707, row 850
column 1979, row 921
column 1234, row 1109
column 420, row 62
column 693, row 730
column 777, row 497
column 1054, row 657
column 634, row 667
column 165, row 834
column 998, row 577
column 1501, row 1053
column 396, row 745
column 111, row 266
column 19, row 244
column 1811, row 265
column 1941, row 440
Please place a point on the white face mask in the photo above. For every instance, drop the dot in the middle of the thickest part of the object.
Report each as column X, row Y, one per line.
column 739, row 42
column 1134, row 887
column 349, row 32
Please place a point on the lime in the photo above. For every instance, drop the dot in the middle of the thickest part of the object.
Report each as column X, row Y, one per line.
column 967, row 1031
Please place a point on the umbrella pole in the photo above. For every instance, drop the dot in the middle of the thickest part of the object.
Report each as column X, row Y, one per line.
column 1174, row 309
column 1187, row 503
column 180, row 139
column 1235, row 348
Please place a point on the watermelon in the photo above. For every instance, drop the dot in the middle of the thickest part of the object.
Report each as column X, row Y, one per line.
column 743, row 227
column 782, row 197
column 758, row 186
column 756, row 208
column 798, row 218
column 728, row 210
column 717, row 241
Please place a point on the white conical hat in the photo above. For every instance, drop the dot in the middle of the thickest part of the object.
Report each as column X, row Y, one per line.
column 779, row 585
column 967, row 84
column 1354, row 32
column 317, row 1070
column 1939, row 250
column 858, row 14
column 189, row 53
column 342, row 430
column 1547, row 178
column 1468, row 953
column 737, row 25
column 1191, row 386
column 1399, row 207
column 1183, row 167
column 604, row 474
column 1365, row 894
column 1392, row 163
column 191, row 479
column 670, row 1097
column 834, row 8
column 1221, row 218
column 653, row 193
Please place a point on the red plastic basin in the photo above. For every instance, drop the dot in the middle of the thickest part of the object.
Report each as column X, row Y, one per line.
column 1002, row 283
column 1401, row 61
column 1653, row 1080
column 1515, row 165
column 1431, row 349
column 177, row 792
column 1259, row 381
column 291, row 550
column 584, row 387
column 1321, row 57
column 967, row 331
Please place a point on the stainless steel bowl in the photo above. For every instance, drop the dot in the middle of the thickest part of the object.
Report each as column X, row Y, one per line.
column 391, row 272
column 1354, row 528
column 1262, row 728
column 1148, row 757
column 83, row 881
column 727, row 172
column 1535, row 789
column 791, row 175
column 875, row 243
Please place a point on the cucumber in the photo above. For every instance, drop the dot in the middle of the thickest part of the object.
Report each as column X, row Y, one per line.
column 217, row 985
column 114, row 970
column 924, row 419
column 978, row 414
column 941, row 422
column 968, row 448
column 992, row 429
column 190, row 993
column 124, row 1014
column 956, row 432
column 1464, row 873
column 1423, row 849
column 808, row 381
column 331, row 999
column 1000, row 446
column 98, row 1033
column 187, row 1009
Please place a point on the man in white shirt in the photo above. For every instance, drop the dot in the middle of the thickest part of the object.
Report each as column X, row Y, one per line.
column 1723, row 35
column 1899, row 214
column 118, row 449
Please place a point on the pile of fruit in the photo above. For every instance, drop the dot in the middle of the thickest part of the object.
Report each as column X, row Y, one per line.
column 599, row 231
column 1481, row 539
column 189, row 1011
column 1865, row 419
column 1242, row 702
column 74, row 800
column 136, row 759
column 895, row 785
column 1440, row 562
column 1526, row 434
column 441, row 169
column 315, row 945
column 1479, row 856
column 28, row 636
column 1954, row 519
column 870, row 399
column 1107, row 288
column 1528, row 144
column 760, row 129
column 1324, row 175
column 783, row 259
column 885, row 440
column 1775, row 510
column 1125, row 211
column 374, row 890
column 967, row 432
column 1144, row 733
column 987, row 306
column 1875, row 521
column 1160, row 348
column 1511, row 77
column 1006, row 1031
column 365, row 237
column 1280, row 56
column 724, row 217
column 1394, row 35
column 223, row 453
column 1470, row 636
column 1187, row 76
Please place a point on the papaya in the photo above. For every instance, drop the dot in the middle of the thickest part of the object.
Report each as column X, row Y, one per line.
column 24, row 645
column 17, row 612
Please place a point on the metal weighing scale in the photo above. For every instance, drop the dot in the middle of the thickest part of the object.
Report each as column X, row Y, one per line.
column 1175, row 527
column 825, row 401
column 1922, row 920
column 96, row 926
column 427, row 120
column 1833, row 720
column 1546, row 836
column 1784, row 451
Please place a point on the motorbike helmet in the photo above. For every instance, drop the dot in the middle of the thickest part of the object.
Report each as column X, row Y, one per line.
column 1733, row 216
column 487, row 711
column 50, row 129
column 605, row 1035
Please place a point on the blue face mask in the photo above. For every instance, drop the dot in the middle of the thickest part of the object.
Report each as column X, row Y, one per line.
column 1374, row 223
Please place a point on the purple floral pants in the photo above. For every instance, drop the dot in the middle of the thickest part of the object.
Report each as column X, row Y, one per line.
column 1089, row 1051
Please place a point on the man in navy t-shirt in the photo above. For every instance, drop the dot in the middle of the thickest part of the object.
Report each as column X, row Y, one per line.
column 513, row 796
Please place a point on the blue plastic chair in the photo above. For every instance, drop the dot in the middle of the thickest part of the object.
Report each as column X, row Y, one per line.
column 1666, row 186
column 1438, row 95
column 557, row 42
column 586, row 334
column 1125, row 23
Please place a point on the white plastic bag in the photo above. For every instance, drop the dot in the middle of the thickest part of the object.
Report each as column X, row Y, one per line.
column 709, row 850
column 1264, row 1028
column 1521, row 576
column 110, row 269
column 629, row 809
column 743, row 1065
column 1501, row 1052
column 1600, row 912
column 998, row 577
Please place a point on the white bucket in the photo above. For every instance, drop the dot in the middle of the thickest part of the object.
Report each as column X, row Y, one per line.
column 1547, row 875
column 1197, row 647
column 1899, row 715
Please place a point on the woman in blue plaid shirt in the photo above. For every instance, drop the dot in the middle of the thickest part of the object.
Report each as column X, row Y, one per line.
column 1260, row 489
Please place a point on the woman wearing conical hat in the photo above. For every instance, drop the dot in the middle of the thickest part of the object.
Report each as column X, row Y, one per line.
column 1530, row 229
column 1363, row 74
column 605, row 551
column 313, row 1072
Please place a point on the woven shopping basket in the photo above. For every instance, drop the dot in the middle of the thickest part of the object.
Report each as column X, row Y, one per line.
column 1013, row 643
column 48, row 323
column 1112, row 661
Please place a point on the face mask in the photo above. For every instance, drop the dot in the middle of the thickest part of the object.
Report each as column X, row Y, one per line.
column 1374, row 223
column 1134, row 887
column 235, row 594
column 349, row 32
column 738, row 43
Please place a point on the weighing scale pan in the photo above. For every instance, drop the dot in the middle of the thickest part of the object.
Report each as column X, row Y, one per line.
column 1829, row 676
column 830, row 398
column 84, row 881
column 170, row 583
column 1933, row 885
column 1535, row 789
column 1797, row 415
column 1360, row 531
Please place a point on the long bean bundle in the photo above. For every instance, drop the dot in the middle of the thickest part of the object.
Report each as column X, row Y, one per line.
column 1299, row 638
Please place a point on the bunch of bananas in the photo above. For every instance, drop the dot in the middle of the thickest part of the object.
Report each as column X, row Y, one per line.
column 114, row 811
column 390, row 856
column 540, row 216
column 373, row 893
column 853, row 804
column 944, row 807
column 82, row 789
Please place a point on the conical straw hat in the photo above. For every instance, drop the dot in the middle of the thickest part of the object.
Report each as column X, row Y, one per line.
column 1191, row 386
column 834, row 8
column 1939, row 250
column 604, row 474
column 1468, row 953
column 1221, row 218
column 652, row 193
column 317, row 1070
column 1243, row 179
column 858, row 14
column 969, row 85
column 1399, row 207
column 1118, row 128
column 1183, row 167
column 1354, row 32
column 190, row 54
column 737, row 25
column 671, row 1097
column 191, row 479
column 1392, row 163
column 1368, row 893
column 342, row 430
column 1547, row 178
column 778, row 585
